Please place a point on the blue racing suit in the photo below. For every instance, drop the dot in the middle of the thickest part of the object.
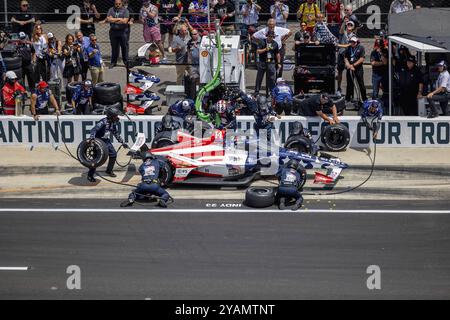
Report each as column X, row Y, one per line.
column 102, row 130
column 290, row 181
column 375, row 117
column 150, row 185
column 262, row 122
column 81, row 99
column 283, row 98
column 177, row 109
column 42, row 101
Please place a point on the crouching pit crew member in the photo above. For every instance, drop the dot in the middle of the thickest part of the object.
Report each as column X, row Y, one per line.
column 283, row 97
column 224, row 113
column 150, row 185
column 82, row 98
column 374, row 111
column 102, row 130
column 40, row 99
column 182, row 108
column 290, row 177
column 319, row 105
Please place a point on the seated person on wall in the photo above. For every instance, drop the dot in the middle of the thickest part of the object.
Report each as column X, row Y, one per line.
column 319, row 106
column 40, row 99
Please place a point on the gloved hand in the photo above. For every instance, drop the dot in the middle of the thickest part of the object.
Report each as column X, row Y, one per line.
column 125, row 146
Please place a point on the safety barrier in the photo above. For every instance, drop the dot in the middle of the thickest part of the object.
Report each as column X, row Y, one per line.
column 394, row 131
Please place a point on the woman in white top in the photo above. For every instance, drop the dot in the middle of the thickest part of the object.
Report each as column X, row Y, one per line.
column 40, row 43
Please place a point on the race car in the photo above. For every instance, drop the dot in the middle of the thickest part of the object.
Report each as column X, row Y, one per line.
column 214, row 161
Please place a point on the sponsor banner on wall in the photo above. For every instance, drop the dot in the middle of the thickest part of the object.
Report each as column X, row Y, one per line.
column 394, row 131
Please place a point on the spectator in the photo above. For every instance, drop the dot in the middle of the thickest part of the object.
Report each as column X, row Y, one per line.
column 72, row 68
column 129, row 24
column 321, row 32
column 280, row 12
column 346, row 33
column 399, row 6
column 39, row 41
column 269, row 59
column 225, row 11
column 170, row 12
column 411, row 87
column 299, row 37
column 9, row 93
column 319, row 106
column 307, row 12
column 40, row 99
column 83, row 43
column 2, row 70
column 250, row 13
column 26, row 51
column 179, row 47
column 88, row 16
column 379, row 62
column 442, row 92
column 55, row 59
column 354, row 59
column 24, row 20
column 118, row 18
column 198, row 10
column 352, row 17
column 334, row 20
column 281, row 35
column 194, row 53
column 96, row 65
column 82, row 98
column 152, row 33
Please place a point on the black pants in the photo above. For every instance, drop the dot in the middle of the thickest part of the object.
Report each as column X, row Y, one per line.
column 84, row 69
column 408, row 103
column 118, row 42
column 271, row 75
column 358, row 77
column 83, row 108
column 443, row 99
column 282, row 54
column 41, row 70
column 28, row 74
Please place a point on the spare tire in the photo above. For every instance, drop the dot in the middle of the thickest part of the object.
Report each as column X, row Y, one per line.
column 70, row 88
column 13, row 63
column 259, row 197
column 92, row 155
column 107, row 93
column 99, row 106
column 336, row 137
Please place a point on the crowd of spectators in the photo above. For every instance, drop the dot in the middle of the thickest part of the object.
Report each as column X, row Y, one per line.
column 45, row 58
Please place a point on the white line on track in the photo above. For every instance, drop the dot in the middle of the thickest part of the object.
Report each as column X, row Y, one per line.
column 218, row 210
column 14, row 268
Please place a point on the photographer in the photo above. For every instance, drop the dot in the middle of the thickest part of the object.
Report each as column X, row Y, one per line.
column 250, row 12
column 280, row 12
column 194, row 53
column 82, row 42
column 224, row 10
column 96, row 65
column 269, row 61
column 72, row 67
column 87, row 18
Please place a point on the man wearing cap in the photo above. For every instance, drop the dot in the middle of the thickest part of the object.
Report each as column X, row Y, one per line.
column 23, row 20
column 269, row 59
column 10, row 91
column 442, row 92
column 354, row 59
column 118, row 18
column 95, row 60
column 25, row 50
column 346, row 32
column 319, row 106
column 283, row 97
column 82, row 98
column 40, row 99
column 280, row 36
column 411, row 86
column 379, row 61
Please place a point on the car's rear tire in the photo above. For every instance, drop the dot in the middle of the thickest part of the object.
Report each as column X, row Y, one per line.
column 259, row 197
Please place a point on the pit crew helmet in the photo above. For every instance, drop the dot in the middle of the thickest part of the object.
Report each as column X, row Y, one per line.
column 221, row 106
column 297, row 128
column 112, row 114
column 167, row 121
column 186, row 106
column 148, row 155
column 292, row 164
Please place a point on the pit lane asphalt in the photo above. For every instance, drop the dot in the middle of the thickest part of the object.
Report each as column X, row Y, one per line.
column 225, row 255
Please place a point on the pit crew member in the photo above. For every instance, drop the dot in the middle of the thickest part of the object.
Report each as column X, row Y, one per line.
column 265, row 117
column 182, row 108
column 374, row 111
column 283, row 97
column 319, row 105
column 10, row 91
column 82, row 98
column 290, row 178
column 40, row 99
column 167, row 124
column 226, row 114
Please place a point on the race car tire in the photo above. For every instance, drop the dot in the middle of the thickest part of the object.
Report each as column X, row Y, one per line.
column 101, row 107
column 336, row 137
column 259, row 197
column 161, row 143
column 92, row 155
column 70, row 88
column 107, row 93
column 299, row 143
column 13, row 63
column 166, row 173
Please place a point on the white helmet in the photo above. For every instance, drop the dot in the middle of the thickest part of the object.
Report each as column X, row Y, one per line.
column 221, row 106
column 186, row 105
column 11, row 75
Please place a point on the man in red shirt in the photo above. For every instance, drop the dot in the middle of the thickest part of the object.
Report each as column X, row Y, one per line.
column 9, row 93
column 332, row 9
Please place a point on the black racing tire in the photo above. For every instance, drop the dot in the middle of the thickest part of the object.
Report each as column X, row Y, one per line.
column 70, row 88
column 13, row 63
column 164, row 139
column 259, row 197
column 92, row 155
column 166, row 173
column 336, row 137
column 107, row 93
column 99, row 106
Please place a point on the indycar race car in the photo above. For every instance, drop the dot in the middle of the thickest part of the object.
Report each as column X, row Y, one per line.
column 210, row 161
